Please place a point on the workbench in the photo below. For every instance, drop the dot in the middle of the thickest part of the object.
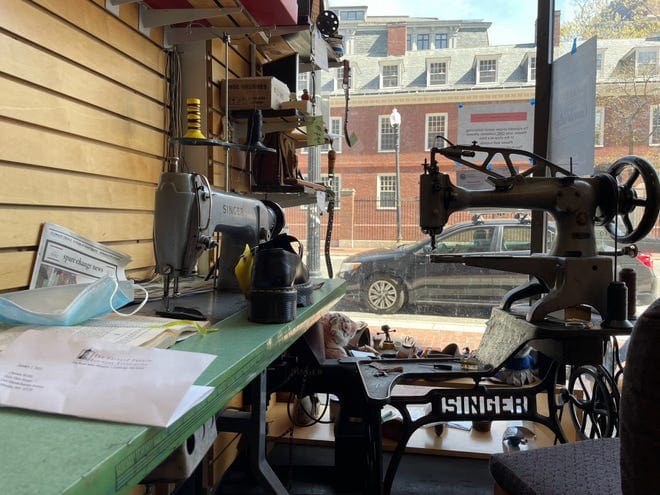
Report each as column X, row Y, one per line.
column 50, row 454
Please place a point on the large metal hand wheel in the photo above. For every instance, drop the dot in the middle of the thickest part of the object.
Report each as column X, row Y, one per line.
column 593, row 402
column 634, row 194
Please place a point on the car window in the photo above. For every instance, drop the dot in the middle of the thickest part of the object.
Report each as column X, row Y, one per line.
column 473, row 240
column 516, row 238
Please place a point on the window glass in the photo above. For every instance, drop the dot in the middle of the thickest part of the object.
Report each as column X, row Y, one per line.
column 436, row 125
column 437, row 73
column 386, row 191
column 387, row 135
column 390, row 76
column 487, row 71
column 440, row 41
column 423, row 42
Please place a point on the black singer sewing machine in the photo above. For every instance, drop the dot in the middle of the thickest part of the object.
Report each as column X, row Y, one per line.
column 189, row 216
column 573, row 272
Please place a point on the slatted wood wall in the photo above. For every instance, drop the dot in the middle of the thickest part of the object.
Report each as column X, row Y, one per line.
column 83, row 126
column 82, row 129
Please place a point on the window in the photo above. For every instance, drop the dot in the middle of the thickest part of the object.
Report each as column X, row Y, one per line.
column 486, row 70
column 336, row 132
column 436, row 73
column 303, row 82
column 335, row 186
column 423, row 42
column 599, row 137
column 646, row 62
column 339, row 79
column 516, row 238
column 531, row 68
column 386, row 134
column 654, row 131
column 386, row 194
column 436, row 125
column 440, row 41
column 409, row 42
column 351, row 15
column 389, row 76
column 600, row 57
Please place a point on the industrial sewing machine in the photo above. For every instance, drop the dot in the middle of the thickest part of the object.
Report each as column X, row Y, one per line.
column 573, row 272
column 189, row 215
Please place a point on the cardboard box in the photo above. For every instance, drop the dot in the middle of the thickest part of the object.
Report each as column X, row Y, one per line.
column 255, row 93
column 303, row 106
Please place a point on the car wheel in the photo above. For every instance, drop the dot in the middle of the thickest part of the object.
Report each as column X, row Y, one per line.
column 384, row 295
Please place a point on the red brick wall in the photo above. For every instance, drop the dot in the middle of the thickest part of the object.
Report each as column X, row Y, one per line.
column 396, row 39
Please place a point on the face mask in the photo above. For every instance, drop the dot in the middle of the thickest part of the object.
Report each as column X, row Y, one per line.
column 65, row 304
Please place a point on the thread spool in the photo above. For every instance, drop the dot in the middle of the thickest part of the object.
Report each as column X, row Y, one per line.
column 629, row 277
column 194, row 118
column 617, row 306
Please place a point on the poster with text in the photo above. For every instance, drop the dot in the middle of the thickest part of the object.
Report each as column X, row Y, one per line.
column 506, row 125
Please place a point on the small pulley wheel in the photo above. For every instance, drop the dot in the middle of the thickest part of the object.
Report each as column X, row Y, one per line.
column 327, row 22
column 637, row 201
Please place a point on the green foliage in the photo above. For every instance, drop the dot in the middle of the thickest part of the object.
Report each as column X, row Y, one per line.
column 612, row 19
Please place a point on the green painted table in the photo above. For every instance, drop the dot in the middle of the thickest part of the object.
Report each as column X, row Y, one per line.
column 43, row 454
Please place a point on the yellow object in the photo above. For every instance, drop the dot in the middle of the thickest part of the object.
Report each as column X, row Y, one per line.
column 243, row 270
column 194, row 118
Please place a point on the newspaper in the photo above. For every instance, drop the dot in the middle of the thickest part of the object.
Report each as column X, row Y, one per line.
column 65, row 257
column 139, row 331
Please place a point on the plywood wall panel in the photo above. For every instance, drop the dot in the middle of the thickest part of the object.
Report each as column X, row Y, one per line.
column 43, row 187
column 56, row 150
column 42, row 28
column 120, row 33
column 40, row 68
column 39, row 107
column 15, row 269
column 21, row 225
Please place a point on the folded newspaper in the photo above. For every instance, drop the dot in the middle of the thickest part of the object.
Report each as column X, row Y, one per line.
column 54, row 372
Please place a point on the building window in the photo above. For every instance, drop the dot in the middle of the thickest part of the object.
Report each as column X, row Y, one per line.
column 389, row 76
column 339, row 79
column 440, row 41
column 386, row 194
column 646, row 62
column 351, row 15
column 386, row 134
column 423, row 42
column 336, row 132
column 486, row 70
column 303, row 82
column 437, row 73
column 409, row 42
column 436, row 125
column 600, row 57
column 599, row 136
column 531, row 68
column 654, row 131
column 335, row 186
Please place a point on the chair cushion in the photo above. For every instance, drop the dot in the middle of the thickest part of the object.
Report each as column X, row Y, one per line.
column 639, row 421
column 589, row 467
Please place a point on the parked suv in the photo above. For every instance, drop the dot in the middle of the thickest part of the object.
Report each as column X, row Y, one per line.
column 385, row 280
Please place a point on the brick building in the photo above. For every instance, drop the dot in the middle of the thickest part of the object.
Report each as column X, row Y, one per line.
column 428, row 69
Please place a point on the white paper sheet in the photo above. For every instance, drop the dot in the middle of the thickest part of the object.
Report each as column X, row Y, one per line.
column 59, row 373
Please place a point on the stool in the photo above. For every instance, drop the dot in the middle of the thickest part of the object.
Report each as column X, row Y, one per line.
column 588, row 467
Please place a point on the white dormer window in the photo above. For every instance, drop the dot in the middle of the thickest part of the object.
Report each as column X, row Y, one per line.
column 531, row 68
column 390, row 75
column 436, row 72
column 600, row 60
column 646, row 62
column 486, row 70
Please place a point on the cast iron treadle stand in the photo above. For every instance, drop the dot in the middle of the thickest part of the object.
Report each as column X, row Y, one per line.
column 506, row 334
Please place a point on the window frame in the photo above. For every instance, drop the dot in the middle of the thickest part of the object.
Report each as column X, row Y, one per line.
column 531, row 68
column 379, row 190
column 599, row 126
column 381, row 76
column 444, row 115
column 654, row 125
column 482, row 59
column 443, row 37
column 384, row 124
column 640, row 50
column 430, row 62
column 425, row 39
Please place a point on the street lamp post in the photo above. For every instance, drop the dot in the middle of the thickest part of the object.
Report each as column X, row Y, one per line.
column 395, row 122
